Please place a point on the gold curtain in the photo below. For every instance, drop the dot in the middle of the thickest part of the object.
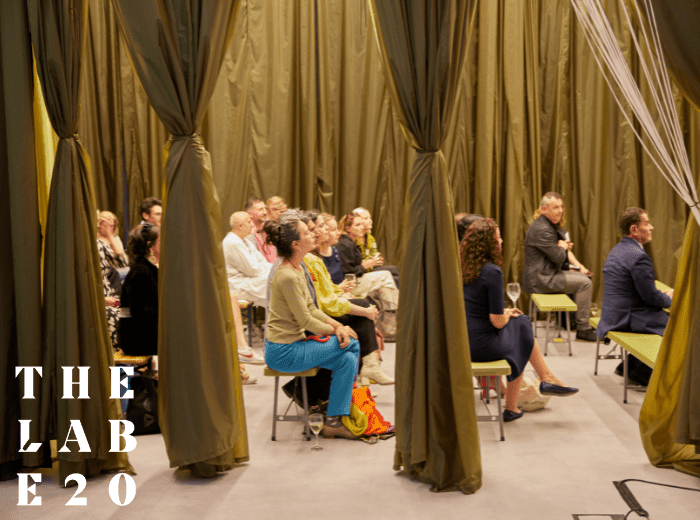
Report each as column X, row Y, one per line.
column 20, row 234
column 176, row 48
column 670, row 418
column 117, row 124
column 423, row 46
column 75, row 323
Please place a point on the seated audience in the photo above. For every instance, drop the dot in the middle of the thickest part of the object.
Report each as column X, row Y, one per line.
column 246, row 268
column 258, row 212
column 545, row 254
column 292, row 312
column 112, row 257
column 275, row 207
column 378, row 285
column 245, row 353
column 465, row 220
column 368, row 246
column 329, row 254
column 356, row 313
column 631, row 301
column 138, row 314
column 151, row 211
column 494, row 332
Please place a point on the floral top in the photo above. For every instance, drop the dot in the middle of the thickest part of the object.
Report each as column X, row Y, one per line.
column 330, row 297
column 108, row 260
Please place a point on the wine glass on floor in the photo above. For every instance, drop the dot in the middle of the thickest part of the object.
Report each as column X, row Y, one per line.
column 316, row 425
column 513, row 290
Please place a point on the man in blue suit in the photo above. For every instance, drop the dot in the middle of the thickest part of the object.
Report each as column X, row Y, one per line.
column 631, row 301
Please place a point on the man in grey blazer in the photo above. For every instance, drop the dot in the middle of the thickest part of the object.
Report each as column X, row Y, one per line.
column 545, row 254
column 631, row 301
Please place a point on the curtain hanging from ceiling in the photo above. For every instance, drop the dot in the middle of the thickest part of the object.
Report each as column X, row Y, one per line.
column 74, row 319
column 20, row 234
column 423, row 46
column 176, row 48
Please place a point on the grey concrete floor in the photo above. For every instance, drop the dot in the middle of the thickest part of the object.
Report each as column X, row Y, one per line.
column 554, row 463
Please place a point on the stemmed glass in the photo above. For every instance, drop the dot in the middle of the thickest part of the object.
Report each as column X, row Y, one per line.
column 316, row 425
column 513, row 291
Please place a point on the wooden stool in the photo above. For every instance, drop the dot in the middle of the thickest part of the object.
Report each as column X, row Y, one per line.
column 492, row 368
column 286, row 417
column 612, row 353
column 550, row 303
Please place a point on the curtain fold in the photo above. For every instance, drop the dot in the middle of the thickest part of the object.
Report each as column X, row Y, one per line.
column 176, row 48
column 670, row 416
column 20, row 234
column 423, row 46
column 75, row 324
column 669, row 436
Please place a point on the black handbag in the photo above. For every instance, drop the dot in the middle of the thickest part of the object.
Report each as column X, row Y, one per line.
column 142, row 410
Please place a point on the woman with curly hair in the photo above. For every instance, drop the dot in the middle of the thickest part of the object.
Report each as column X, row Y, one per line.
column 494, row 332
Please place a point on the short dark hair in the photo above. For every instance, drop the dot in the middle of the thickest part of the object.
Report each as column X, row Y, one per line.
column 628, row 218
column 142, row 238
column 148, row 203
column 249, row 203
column 283, row 232
column 466, row 221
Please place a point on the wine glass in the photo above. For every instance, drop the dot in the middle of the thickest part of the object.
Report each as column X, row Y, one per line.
column 350, row 282
column 513, row 292
column 316, row 425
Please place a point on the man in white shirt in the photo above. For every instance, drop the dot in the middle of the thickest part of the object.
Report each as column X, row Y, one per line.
column 246, row 268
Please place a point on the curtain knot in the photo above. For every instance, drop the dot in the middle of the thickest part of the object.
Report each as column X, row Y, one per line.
column 193, row 135
column 427, row 152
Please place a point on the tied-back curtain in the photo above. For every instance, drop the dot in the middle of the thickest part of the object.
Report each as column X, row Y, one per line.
column 20, row 234
column 423, row 45
column 670, row 417
column 75, row 322
column 176, row 48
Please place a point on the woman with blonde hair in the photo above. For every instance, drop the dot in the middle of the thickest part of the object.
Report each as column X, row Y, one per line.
column 378, row 285
column 112, row 257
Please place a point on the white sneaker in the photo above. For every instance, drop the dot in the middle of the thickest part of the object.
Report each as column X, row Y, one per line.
column 248, row 355
column 248, row 379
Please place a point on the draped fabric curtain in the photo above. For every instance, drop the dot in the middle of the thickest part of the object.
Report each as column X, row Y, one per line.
column 176, row 48
column 670, row 417
column 118, row 125
column 423, row 45
column 531, row 114
column 20, row 234
column 74, row 319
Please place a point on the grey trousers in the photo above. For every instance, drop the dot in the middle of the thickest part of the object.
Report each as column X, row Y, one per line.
column 581, row 287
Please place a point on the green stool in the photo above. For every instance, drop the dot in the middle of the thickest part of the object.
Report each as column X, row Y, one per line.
column 492, row 368
column 550, row 303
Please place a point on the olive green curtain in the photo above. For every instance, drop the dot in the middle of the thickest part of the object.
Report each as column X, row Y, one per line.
column 118, row 126
column 74, row 319
column 20, row 234
column 670, row 417
column 176, row 48
column 423, row 45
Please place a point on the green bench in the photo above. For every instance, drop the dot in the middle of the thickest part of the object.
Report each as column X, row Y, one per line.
column 550, row 303
column 644, row 347
column 492, row 368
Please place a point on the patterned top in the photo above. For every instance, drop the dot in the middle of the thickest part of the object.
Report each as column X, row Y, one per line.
column 331, row 298
column 368, row 247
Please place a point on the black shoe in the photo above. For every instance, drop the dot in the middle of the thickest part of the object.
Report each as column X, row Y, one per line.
column 620, row 370
column 556, row 390
column 509, row 415
column 586, row 335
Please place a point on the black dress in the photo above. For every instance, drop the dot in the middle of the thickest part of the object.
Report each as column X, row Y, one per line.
column 138, row 334
column 514, row 342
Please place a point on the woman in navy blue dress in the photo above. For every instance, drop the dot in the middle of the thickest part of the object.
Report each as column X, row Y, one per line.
column 494, row 332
